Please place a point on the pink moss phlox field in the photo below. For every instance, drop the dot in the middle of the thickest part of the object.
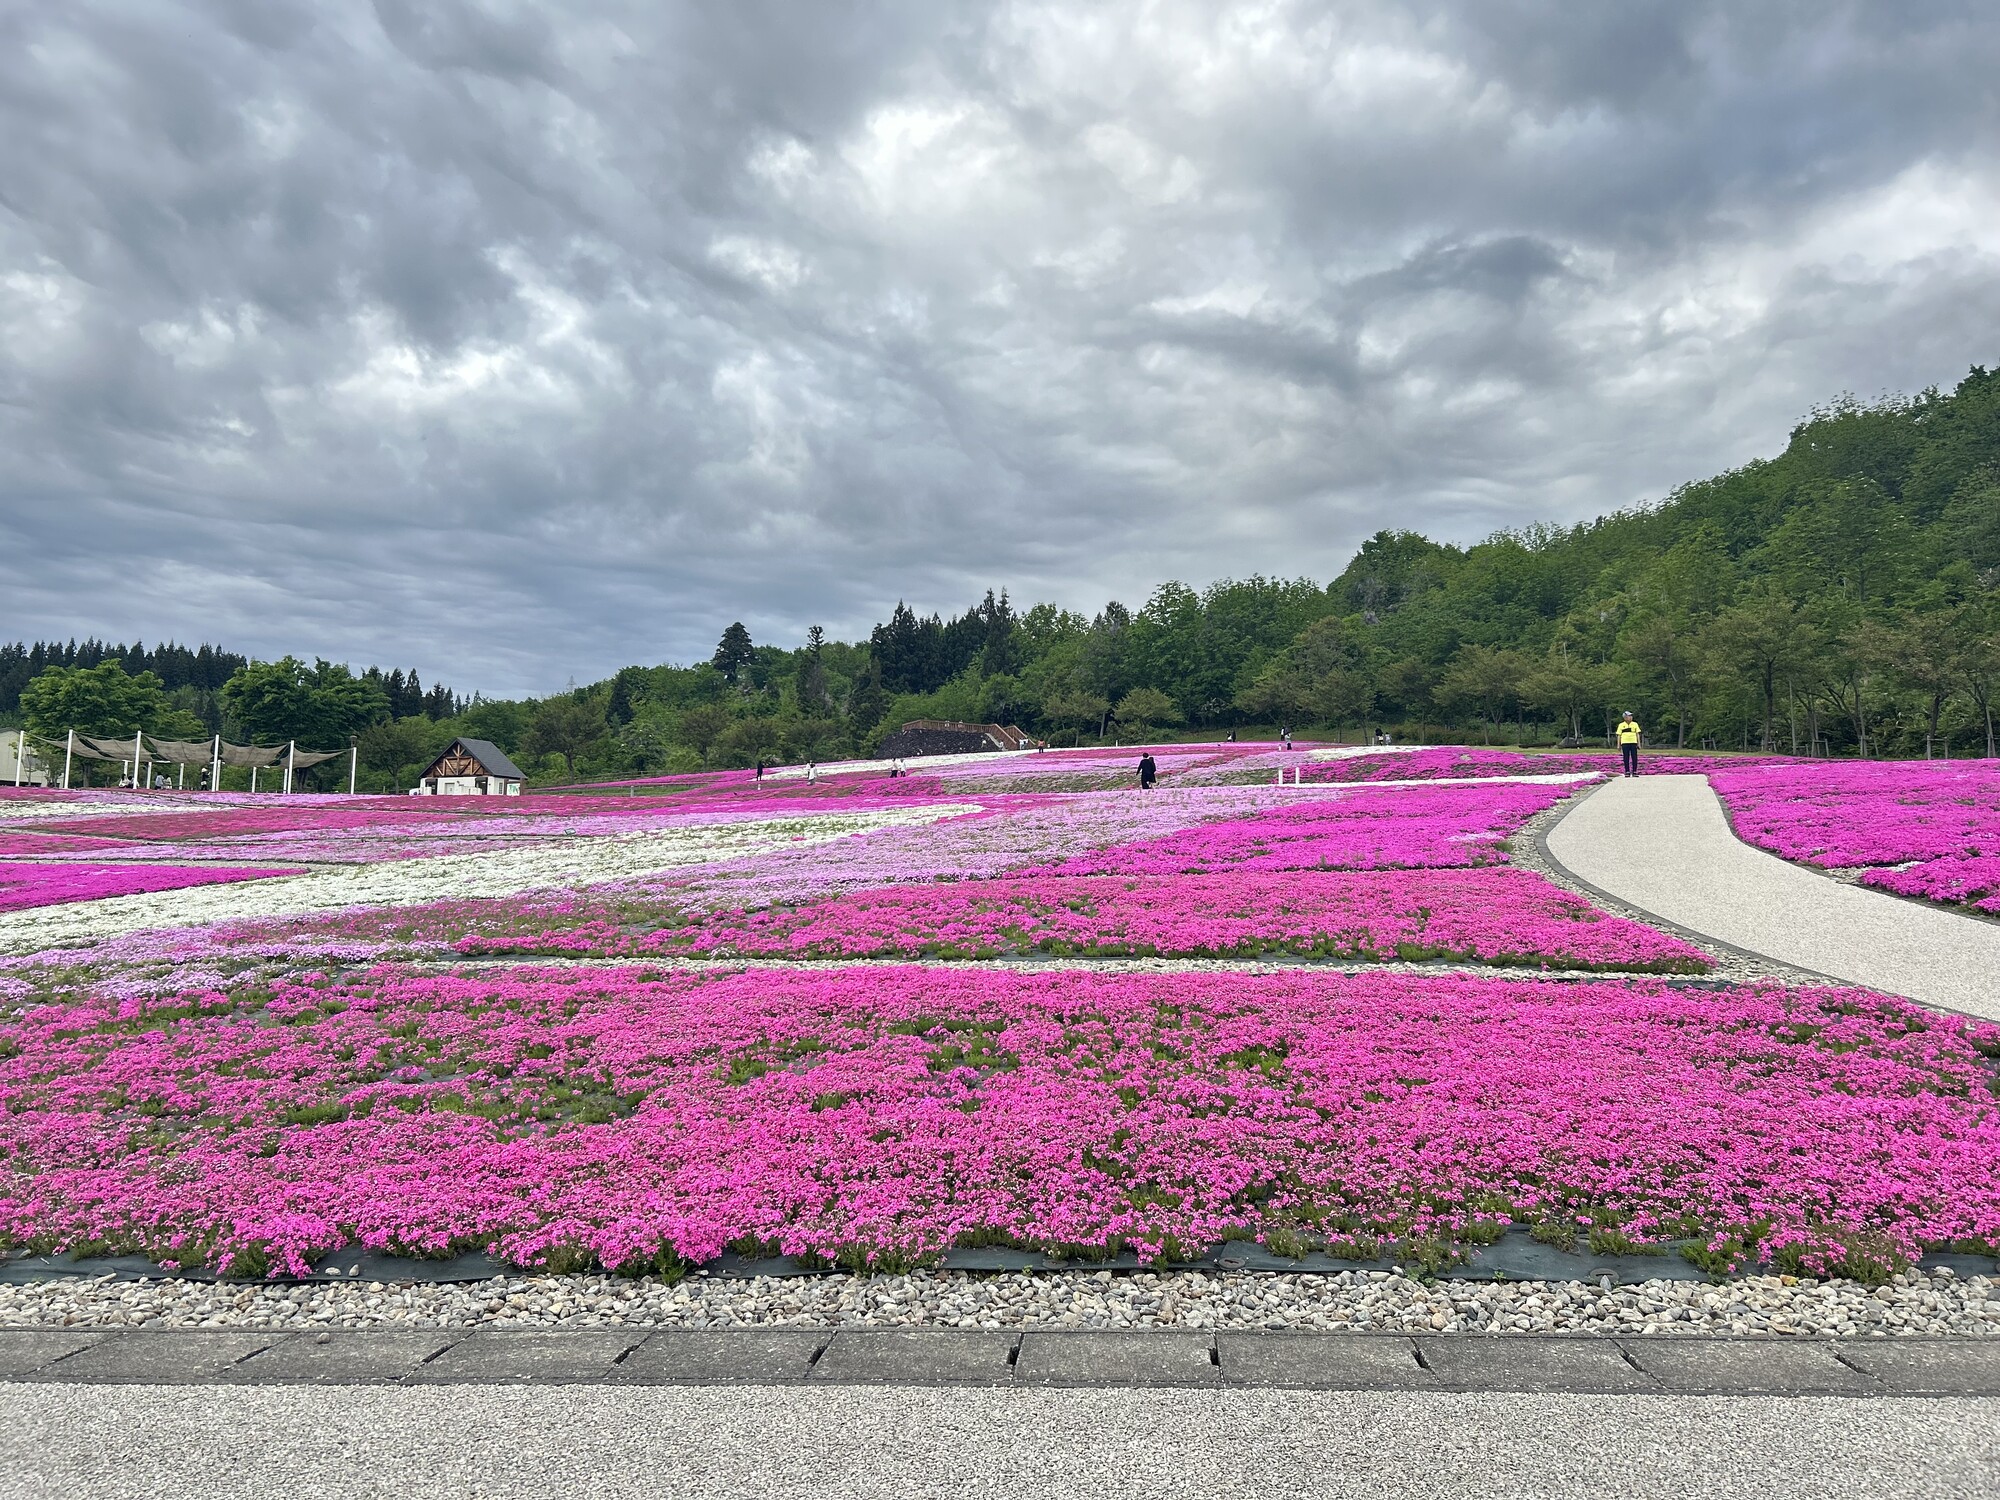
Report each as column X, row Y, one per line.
column 880, row 1115
column 1510, row 917
column 23, row 884
column 1009, row 833
column 1938, row 820
column 1441, row 762
column 1410, row 827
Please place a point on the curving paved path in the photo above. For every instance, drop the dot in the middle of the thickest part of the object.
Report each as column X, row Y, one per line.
column 1664, row 845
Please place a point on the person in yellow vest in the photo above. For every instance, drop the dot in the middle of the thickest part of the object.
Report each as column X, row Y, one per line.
column 1628, row 743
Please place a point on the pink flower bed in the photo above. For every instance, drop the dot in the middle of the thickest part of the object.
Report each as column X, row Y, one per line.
column 1940, row 820
column 1968, row 882
column 1441, row 762
column 40, row 845
column 23, row 884
column 1489, row 916
column 1412, row 827
column 878, row 1116
column 1168, row 831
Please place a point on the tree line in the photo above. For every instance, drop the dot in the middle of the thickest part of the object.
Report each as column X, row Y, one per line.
column 1842, row 598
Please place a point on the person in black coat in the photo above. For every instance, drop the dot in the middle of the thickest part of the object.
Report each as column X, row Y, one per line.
column 1148, row 772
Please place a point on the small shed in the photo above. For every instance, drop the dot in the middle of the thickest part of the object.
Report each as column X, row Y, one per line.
column 920, row 737
column 470, row 768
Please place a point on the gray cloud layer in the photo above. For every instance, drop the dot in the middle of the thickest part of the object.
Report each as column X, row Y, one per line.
column 524, row 340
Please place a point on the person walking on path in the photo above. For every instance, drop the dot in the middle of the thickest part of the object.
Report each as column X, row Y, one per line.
column 1148, row 772
column 1628, row 743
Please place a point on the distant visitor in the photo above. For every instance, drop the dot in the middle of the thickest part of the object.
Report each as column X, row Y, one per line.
column 1628, row 743
column 1148, row 772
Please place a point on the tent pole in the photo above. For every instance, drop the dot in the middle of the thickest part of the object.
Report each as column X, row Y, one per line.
column 291, row 754
column 20, row 757
column 69, row 752
column 138, row 749
column 353, row 766
column 253, row 777
column 215, row 776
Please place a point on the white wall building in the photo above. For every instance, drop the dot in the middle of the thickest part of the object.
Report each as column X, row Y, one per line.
column 20, row 760
column 471, row 768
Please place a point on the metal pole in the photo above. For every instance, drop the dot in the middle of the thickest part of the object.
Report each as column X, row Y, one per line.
column 253, row 776
column 291, row 754
column 20, row 757
column 69, row 750
column 215, row 775
column 353, row 766
column 138, row 749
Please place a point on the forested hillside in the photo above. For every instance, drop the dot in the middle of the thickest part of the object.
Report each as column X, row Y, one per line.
column 1841, row 598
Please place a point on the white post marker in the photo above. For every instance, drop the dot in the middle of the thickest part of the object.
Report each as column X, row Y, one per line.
column 20, row 757
column 291, row 754
column 353, row 766
column 215, row 771
column 253, row 777
column 138, row 749
column 69, row 753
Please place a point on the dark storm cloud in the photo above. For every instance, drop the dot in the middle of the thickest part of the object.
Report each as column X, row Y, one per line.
column 519, row 341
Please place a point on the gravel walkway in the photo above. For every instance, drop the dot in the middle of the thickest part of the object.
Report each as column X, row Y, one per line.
column 1914, row 1304
column 1663, row 845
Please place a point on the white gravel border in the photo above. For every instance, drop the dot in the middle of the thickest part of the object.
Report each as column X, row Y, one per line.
column 1914, row 1304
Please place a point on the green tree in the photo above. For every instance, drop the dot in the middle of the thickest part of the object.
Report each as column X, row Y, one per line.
column 322, row 707
column 1762, row 638
column 809, row 738
column 702, row 726
column 1145, row 709
column 396, row 744
column 868, row 703
column 1667, row 651
column 810, row 682
column 750, row 740
column 1926, row 652
column 1570, row 687
column 1085, row 712
column 733, row 653
column 104, row 701
column 569, row 726
column 1979, row 667
column 1485, row 680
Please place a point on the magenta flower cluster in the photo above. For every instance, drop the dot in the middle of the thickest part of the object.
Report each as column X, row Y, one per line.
column 1391, row 827
column 1509, row 917
column 24, row 884
column 251, row 1095
column 880, row 1115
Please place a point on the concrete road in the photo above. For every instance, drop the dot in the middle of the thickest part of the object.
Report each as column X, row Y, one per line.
column 305, row 1443
column 1663, row 844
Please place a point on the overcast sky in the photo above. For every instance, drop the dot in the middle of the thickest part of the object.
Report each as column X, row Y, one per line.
column 519, row 341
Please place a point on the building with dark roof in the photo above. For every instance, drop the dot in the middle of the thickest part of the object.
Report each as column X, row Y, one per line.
column 471, row 768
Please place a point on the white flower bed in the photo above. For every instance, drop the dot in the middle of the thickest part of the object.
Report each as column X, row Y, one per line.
column 20, row 810
column 570, row 864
